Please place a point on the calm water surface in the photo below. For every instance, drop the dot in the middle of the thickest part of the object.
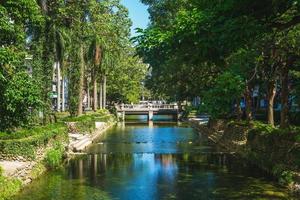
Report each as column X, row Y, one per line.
column 149, row 162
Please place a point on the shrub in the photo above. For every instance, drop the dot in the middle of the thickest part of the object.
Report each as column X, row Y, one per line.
column 38, row 169
column 262, row 128
column 188, row 110
column 86, row 123
column 9, row 187
column 54, row 157
column 25, row 142
column 285, row 177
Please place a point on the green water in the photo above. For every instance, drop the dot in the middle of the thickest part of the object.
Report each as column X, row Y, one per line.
column 149, row 162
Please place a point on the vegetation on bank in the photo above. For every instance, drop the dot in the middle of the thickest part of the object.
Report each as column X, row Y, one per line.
column 25, row 142
column 273, row 149
column 80, row 48
column 86, row 123
column 54, row 156
column 8, row 186
column 276, row 150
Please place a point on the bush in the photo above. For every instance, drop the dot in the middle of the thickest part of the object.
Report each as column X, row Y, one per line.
column 285, row 177
column 189, row 110
column 54, row 157
column 86, row 123
column 38, row 169
column 25, row 142
column 9, row 187
column 262, row 128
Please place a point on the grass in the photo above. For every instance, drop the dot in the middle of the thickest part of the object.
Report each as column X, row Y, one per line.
column 8, row 186
column 37, row 170
column 54, row 156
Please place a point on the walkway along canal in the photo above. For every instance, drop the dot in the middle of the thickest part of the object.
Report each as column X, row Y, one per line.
column 154, row 161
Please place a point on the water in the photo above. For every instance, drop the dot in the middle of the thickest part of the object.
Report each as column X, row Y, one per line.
column 149, row 162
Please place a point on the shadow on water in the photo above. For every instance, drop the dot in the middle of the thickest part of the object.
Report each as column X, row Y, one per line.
column 163, row 161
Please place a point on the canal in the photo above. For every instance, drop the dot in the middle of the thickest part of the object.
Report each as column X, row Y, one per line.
column 154, row 161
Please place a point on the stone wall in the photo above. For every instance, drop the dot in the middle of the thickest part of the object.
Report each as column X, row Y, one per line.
column 21, row 168
column 277, row 153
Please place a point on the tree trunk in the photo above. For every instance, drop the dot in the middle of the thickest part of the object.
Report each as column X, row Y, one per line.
column 80, row 88
column 95, row 105
column 63, row 94
column 104, row 91
column 271, row 97
column 58, row 86
column 248, row 108
column 88, row 95
column 239, row 112
column 179, row 104
column 101, row 94
column 284, row 121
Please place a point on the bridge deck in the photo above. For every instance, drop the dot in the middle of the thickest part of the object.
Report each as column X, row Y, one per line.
column 147, row 108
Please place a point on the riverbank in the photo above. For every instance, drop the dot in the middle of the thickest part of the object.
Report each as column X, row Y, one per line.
column 274, row 150
column 27, row 154
column 164, row 161
column 78, row 142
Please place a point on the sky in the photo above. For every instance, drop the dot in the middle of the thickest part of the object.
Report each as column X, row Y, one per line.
column 138, row 14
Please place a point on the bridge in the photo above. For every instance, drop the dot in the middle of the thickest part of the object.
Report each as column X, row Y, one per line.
column 147, row 109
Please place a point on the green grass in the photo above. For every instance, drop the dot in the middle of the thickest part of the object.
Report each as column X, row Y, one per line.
column 8, row 186
column 54, row 157
column 37, row 170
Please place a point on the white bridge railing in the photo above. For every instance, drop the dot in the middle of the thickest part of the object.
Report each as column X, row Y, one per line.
column 146, row 107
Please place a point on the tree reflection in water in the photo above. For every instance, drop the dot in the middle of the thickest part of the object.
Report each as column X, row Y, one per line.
column 156, row 162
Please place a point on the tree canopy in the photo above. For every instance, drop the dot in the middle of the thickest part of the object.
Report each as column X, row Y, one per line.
column 192, row 44
column 82, row 47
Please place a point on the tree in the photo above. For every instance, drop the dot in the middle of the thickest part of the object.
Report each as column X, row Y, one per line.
column 219, row 99
column 20, row 101
column 246, row 38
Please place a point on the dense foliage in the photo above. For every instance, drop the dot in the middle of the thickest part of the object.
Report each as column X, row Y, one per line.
column 190, row 43
column 81, row 48
column 26, row 142
column 19, row 101
column 227, row 89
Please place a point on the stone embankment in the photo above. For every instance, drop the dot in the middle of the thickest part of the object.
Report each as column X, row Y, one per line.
column 25, row 170
column 276, row 152
column 80, row 141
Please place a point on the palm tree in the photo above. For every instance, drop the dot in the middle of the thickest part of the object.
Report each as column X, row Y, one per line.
column 62, row 39
column 95, row 55
column 108, row 63
column 55, row 43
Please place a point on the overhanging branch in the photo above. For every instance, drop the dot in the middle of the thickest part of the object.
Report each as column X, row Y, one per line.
column 282, row 26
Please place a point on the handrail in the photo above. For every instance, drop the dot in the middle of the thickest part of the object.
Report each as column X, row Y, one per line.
column 147, row 107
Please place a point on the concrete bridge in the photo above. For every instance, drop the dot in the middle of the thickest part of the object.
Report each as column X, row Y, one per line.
column 147, row 109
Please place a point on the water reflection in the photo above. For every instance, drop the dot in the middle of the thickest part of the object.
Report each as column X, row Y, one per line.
column 139, row 162
column 174, row 176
